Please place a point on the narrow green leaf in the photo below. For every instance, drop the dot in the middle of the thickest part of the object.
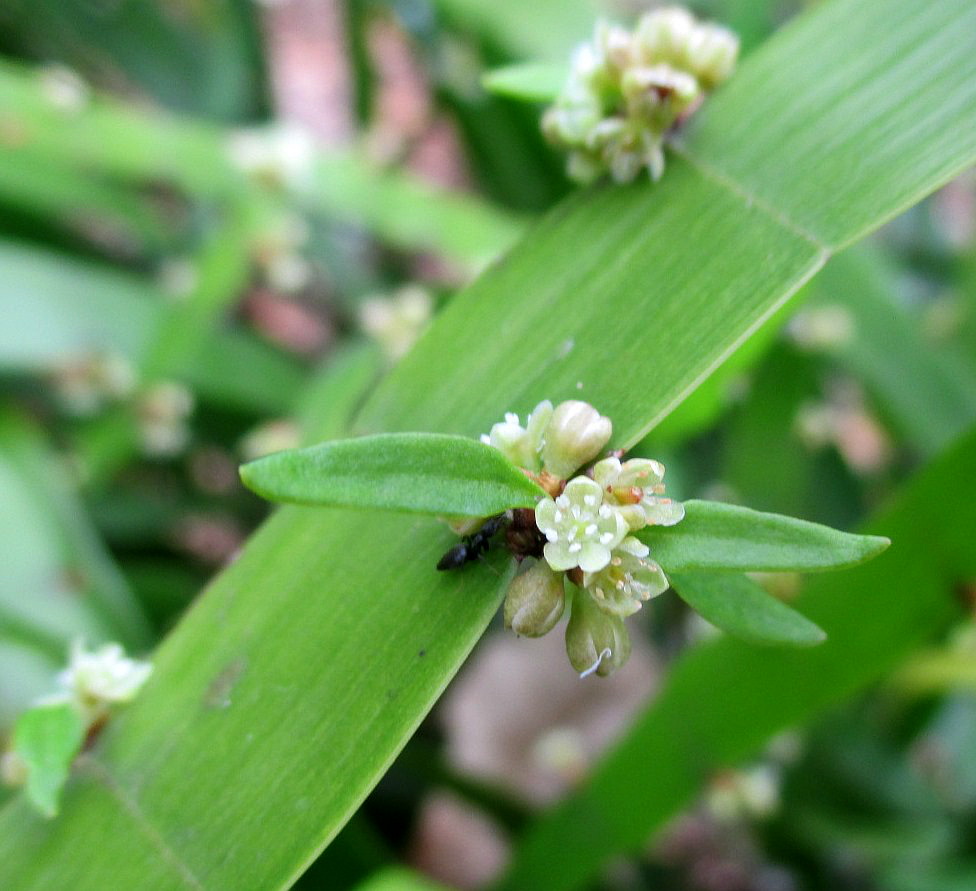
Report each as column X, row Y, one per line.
column 399, row 880
column 58, row 308
column 545, row 29
column 58, row 581
column 853, row 152
column 47, row 738
column 722, row 700
column 739, row 606
column 425, row 473
column 715, row 536
column 123, row 143
column 326, row 404
column 534, row 81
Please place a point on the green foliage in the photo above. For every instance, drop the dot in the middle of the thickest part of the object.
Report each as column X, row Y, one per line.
column 287, row 691
column 722, row 700
column 739, row 606
column 534, row 81
column 47, row 739
column 716, row 536
column 422, row 473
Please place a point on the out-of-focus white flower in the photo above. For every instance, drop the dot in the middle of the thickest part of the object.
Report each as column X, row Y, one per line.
column 85, row 385
column 750, row 793
column 97, row 679
column 64, row 88
column 14, row 770
column 162, row 412
column 821, row 328
column 280, row 156
column 397, row 321
column 272, row 436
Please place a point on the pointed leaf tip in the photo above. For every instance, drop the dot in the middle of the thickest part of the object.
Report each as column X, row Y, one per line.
column 742, row 608
column 722, row 537
column 47, row 738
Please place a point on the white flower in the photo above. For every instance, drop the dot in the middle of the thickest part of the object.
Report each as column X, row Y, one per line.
column 626, row 91
column 581, row 529
column 637, row 487
column 280, row 155
column 100, row 678
column 397, row 321
column 162, row 413
column 622, row 586
column 522, row 445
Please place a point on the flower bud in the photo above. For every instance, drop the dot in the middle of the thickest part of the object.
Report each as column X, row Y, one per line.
column 596, row 643
column 576, row 434
column 535, row 600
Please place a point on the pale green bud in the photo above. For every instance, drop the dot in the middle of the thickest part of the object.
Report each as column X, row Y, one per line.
column 576, row 434
column 521, row 445
column 535, row 600
column 711, row 54
column 596, row 643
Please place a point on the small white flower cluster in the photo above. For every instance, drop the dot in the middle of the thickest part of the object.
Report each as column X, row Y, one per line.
column 98, row 679
column 588, row 523
column 627, row 89
column 92, row 683
column 85, row 384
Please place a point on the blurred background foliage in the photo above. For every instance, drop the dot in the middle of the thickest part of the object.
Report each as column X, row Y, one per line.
column 179, row 294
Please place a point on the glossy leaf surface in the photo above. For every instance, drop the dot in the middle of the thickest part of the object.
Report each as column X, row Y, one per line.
column 715, row 536
column 424, row 473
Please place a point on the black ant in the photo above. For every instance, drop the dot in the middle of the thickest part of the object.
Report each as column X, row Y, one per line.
column 471, row 547
column 522, row 538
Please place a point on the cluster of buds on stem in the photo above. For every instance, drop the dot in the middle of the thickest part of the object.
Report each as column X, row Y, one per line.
column 627, row 89
column 585, row 527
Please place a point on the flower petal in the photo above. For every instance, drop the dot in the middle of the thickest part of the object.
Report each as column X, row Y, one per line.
column 593, row 557
column 558, row 556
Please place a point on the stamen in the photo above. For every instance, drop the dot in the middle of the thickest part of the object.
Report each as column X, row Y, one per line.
column 606, row 538
column 605, row 653
column 589, row 530
column 589, row 500
column 575, row 547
